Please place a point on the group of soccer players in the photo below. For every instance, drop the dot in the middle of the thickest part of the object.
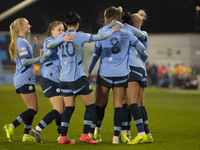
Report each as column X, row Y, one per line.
column 121, row 47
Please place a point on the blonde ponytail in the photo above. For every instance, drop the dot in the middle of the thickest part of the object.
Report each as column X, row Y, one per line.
column 14, row 29
column 112, row 13
column 12, row 47
column 143, row 14
column 139, row 17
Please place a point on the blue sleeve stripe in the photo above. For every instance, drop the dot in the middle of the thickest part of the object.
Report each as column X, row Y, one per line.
column 133, row 44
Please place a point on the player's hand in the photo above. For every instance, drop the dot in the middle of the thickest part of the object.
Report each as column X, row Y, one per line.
column 88, row 75
column 116, row 27
column 68, row 37
column 35, row 40
column 41, row 52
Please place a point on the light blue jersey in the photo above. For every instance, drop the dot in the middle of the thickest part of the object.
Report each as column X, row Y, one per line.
column 24, row 63
column 134, row 55
column 71, row 53
column 51, row 65
column 114, row 52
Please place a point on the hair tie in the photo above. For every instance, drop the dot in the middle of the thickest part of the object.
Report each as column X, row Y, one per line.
column 12, row 24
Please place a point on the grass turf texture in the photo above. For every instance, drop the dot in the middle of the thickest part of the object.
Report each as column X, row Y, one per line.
column 173, row 121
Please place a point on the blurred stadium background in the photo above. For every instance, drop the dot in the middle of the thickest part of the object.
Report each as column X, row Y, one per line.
column 173, row 27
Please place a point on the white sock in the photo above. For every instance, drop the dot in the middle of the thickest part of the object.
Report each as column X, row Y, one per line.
column 123, row 131
column 149, row 134
column 97, row 129
column 26, row 134
column 38, row 128
column 12, row 126
column 141, row 133
column 128, row 132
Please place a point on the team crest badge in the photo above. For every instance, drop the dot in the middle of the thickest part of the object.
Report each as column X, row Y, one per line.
column 58, row 90
column 136, row 52
column 30, row 87
column 110, row 58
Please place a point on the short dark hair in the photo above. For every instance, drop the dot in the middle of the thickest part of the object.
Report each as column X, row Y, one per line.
column 72, row 18
column 126, row 18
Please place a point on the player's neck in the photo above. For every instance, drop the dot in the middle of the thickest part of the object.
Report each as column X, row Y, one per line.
column 22, row 34
column 71, row 28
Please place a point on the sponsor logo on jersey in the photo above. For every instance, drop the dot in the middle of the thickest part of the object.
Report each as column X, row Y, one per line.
column 23, row 48
column 23, row 51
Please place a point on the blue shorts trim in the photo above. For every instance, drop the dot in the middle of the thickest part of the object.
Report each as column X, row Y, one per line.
column 111, row 82
column 137, row 74
column 26, row 89
column 143, row 83
column 79, row 87
column 50, row 88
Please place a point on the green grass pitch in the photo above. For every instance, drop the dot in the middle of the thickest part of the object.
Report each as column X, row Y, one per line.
column 174, row 121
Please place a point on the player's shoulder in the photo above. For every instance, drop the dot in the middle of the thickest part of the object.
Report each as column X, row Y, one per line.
column 146, row 34
column 103, row 29
column 125, row 31
column 83, row 34
column 21, row 40
column 80, row 32
column 49, row 39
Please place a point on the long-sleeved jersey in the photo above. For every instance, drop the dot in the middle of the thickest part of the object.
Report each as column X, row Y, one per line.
column 24, row 73
column 50, row 61
column 71, row 53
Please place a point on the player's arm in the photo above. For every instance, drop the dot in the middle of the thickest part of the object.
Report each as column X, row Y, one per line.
column 24, row 54
column 26, row 61
column 105, row 35
column 55, row 42
column 137, row 44
column 35, row 43
column 114, row 22
column 144, row 56
column 59, row 39
column 95, row 57
column 138, row 33
column 144, row 42
column 46, row 55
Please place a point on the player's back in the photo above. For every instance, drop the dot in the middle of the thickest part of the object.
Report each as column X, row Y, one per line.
column 71, row 56
column 114, row 55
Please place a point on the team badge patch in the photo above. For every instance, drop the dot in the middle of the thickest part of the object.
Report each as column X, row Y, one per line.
column 58, row 90
column 110, row 58
column 30, row 87
column 136, row 52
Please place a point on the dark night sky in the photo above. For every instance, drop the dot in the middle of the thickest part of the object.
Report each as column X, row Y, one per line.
column 164, row 16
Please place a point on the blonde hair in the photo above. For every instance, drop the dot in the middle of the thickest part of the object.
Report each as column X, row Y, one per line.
column 112, row 13
column 14, row 30
column 139, row 17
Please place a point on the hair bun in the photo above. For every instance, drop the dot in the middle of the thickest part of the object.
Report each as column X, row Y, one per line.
column 120, row 9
